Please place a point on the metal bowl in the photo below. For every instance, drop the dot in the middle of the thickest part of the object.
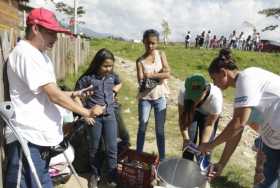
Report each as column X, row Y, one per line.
column 183, row 173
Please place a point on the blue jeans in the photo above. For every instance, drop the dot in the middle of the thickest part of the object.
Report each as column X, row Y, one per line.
column 105, row 127
column 18, row 171
column 144, row 109
column 271, row 167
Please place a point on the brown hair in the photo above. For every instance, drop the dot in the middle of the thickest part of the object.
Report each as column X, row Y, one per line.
column 224, row 60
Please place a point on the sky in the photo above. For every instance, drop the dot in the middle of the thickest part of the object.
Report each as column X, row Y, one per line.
column 130, row 18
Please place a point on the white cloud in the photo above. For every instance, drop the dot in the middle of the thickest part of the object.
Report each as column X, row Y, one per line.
column 129, row 18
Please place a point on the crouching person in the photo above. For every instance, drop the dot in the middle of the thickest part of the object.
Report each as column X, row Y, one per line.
column 199, row 104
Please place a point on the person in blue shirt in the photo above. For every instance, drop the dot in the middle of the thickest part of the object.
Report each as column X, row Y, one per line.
column 105, row 84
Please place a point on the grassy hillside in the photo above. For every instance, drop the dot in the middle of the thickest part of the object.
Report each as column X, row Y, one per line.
column 188, row 61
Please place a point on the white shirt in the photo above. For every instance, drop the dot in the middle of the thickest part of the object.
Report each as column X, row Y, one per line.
column 188, row 40
column 213, row 103
column 260, row 89
column 232, row 37
column 36, row 118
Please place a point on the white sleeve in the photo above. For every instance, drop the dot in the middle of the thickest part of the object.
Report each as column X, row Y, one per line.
column 35, row 72
column 247, row 92
column 181, row 97
column 217, row 103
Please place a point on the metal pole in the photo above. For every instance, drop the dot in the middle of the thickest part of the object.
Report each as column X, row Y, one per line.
column 76, row 62
column 75, row 16
column 6, row 113
column 2, row 124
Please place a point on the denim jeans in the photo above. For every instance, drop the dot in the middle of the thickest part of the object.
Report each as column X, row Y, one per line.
column 18, row 172
column 271, row 167
column 122, row 130
column 196, row 127
column 144, row 109
column 104, row 127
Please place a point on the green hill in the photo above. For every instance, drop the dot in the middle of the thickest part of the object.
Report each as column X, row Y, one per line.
column 188, row 61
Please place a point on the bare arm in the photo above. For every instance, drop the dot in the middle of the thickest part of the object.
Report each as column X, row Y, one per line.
column 183, row 127
column 117, row 87
column 234, row 127
column 60, row 98
column 139, row 69
column 209, row 125
column 227, row 153
column 229, row 149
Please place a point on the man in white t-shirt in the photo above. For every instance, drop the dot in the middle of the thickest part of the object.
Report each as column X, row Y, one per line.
column 36, row 100
column 207, row 39
column 188, row 39
column 199, row 106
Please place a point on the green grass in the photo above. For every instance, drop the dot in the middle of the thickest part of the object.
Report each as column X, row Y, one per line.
column 183, row 62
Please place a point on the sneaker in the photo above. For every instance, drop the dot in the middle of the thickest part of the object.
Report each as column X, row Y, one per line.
column 204, row 164
column 93, row 181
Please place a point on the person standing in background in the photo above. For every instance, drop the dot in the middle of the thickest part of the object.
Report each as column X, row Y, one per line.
column 188, row 39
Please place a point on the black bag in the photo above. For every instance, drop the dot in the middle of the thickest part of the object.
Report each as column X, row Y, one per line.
column 148, row 83
column 53, row 151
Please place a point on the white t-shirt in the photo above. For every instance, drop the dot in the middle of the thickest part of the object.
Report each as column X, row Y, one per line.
column 36, row 118
column 213, row 103
column 260, row 89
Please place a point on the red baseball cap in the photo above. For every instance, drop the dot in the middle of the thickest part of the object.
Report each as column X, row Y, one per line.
column 46, row 19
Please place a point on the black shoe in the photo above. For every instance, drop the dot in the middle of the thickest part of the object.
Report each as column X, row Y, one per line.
column 93, row 181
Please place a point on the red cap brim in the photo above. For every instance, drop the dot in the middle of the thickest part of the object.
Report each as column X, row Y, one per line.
column 59, row 30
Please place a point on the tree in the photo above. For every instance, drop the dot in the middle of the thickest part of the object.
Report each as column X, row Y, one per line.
column 271, row 12
column 70, row 11
column 166, row 30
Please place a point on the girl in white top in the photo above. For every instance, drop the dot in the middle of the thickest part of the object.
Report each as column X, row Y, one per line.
column 152, row 65
column 256, row 89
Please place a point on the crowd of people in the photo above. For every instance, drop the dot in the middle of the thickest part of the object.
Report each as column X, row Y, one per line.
column 251, row 42
column 38, row 101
